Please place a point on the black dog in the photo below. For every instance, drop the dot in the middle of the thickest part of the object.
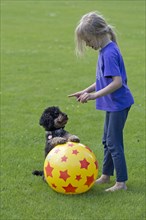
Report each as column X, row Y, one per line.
column 54, row 121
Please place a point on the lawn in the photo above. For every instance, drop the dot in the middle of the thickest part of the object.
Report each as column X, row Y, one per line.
column 39, row 69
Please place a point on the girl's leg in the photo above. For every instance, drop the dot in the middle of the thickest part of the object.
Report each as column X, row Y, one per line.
column 116, row 147
column 108, row 167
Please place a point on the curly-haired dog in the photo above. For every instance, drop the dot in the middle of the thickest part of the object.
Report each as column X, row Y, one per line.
column 54, row 121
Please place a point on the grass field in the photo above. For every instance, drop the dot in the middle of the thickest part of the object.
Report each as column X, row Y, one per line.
column 39, row 69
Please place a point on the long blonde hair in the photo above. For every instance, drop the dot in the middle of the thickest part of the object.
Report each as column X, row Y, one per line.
column 91, row 24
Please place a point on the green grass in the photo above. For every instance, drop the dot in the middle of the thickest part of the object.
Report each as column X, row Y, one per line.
column 39, row 69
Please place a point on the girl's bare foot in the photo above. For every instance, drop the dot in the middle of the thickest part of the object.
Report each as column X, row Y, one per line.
column 103, row 179
column 117, row 186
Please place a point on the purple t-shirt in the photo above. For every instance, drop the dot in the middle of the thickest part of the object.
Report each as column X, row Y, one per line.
column 110, row 63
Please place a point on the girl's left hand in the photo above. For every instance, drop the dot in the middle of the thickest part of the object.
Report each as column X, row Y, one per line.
column 85, row 97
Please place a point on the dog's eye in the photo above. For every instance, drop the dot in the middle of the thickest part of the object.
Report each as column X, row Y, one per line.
column 56, row 114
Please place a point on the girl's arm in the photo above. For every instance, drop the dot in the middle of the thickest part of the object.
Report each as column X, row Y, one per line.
column 113, row 86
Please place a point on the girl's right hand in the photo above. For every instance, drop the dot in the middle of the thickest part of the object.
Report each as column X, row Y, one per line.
column 77, row 95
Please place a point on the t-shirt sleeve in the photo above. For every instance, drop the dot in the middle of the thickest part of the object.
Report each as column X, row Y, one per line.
column 111, row 64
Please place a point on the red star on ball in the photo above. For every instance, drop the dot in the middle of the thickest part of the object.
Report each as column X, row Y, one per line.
column 56, row 151
column 84, row 163
column 64, row 175
column 90, row 180
column 75, row 152
column 88, row 149
column 49, row 170
column 96, row 164
column 70, row 144
column 78, row 177
column 64, row 159
column 53, row 185
column 69, row 188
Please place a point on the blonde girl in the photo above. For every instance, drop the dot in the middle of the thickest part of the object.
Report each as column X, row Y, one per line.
column 110, row 91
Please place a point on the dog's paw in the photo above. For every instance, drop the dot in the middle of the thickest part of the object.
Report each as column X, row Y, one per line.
column 58, row 140
column 38, row 173
column 74, row 138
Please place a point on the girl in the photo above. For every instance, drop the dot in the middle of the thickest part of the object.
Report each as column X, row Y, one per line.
column 110, row 91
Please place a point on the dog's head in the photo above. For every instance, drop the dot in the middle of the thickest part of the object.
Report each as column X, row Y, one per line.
column 52, row 119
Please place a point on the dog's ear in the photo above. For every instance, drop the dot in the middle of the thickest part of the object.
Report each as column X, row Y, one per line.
column 46, row 121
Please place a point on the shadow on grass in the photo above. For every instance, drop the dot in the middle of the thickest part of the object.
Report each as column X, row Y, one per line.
column 95, row 191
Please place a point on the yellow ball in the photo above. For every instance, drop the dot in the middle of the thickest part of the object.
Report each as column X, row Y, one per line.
column 71, row 168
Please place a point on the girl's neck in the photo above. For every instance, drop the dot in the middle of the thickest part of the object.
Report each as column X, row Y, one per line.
column 105, row 40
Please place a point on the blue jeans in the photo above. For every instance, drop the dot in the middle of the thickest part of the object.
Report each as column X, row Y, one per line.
column 114, row 157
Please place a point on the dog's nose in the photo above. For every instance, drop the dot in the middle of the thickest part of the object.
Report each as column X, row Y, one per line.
column 65, row 115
